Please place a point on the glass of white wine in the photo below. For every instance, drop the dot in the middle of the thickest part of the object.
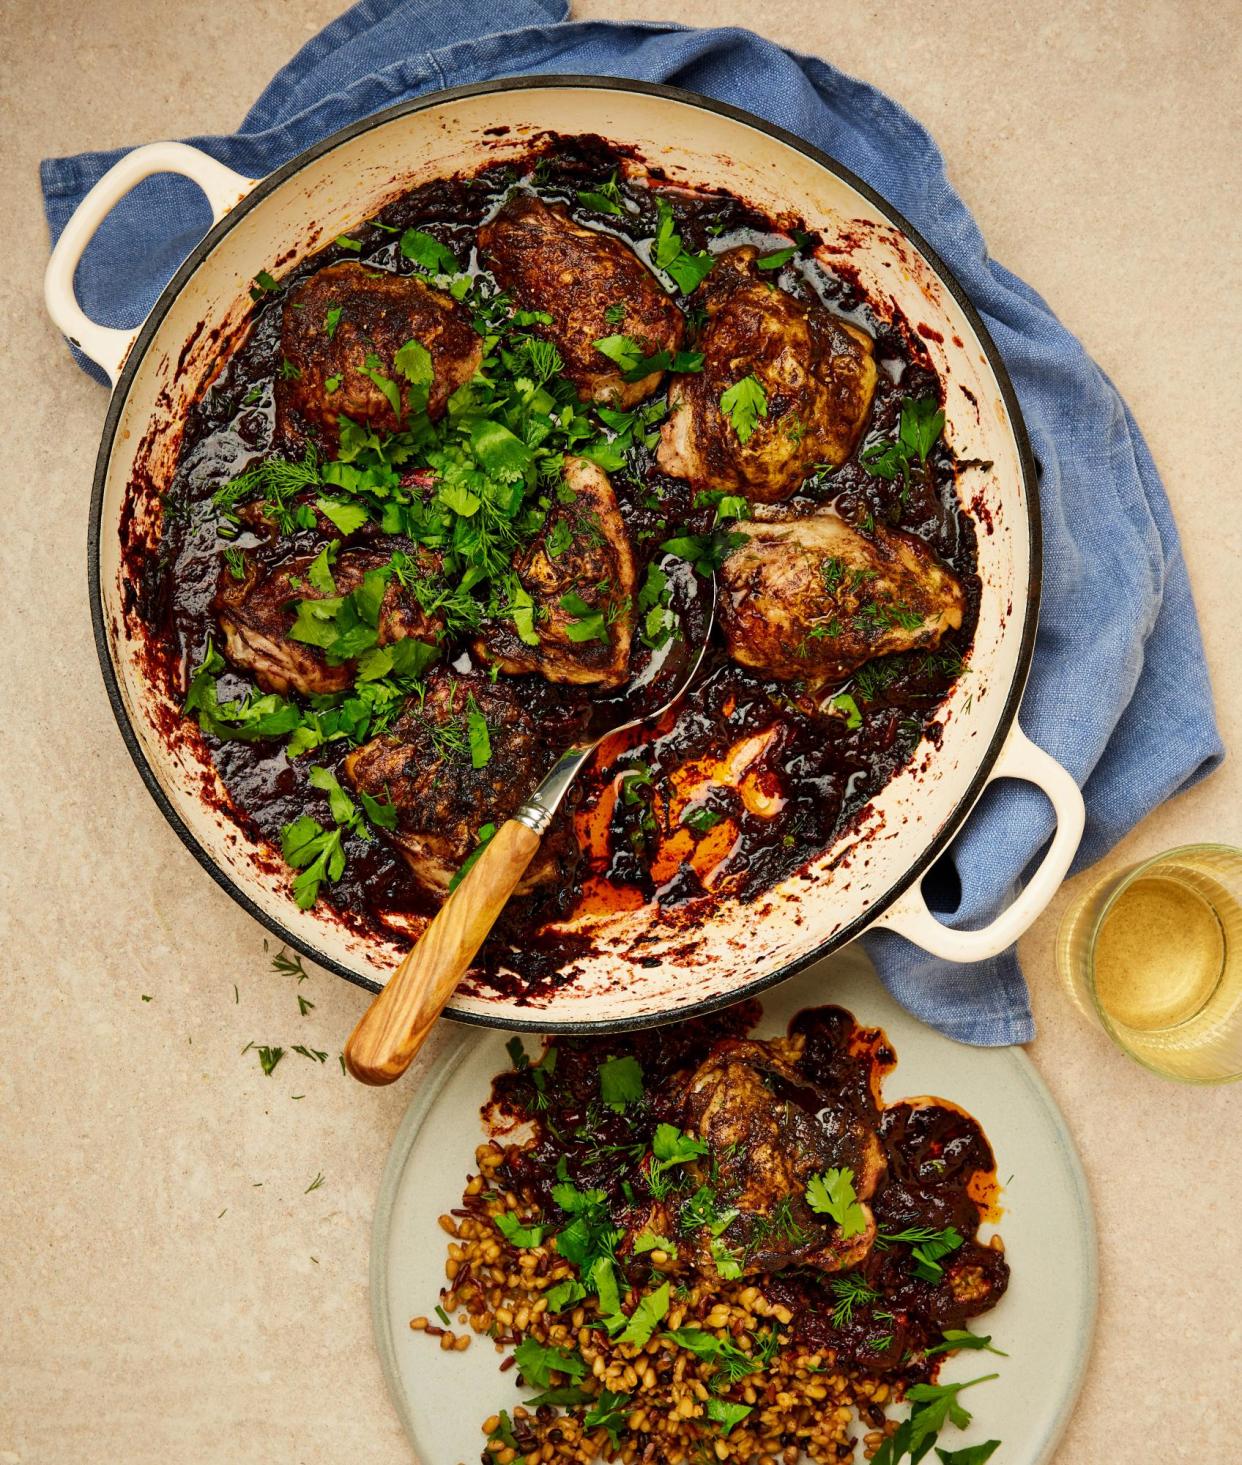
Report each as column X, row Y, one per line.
column 1154, row 954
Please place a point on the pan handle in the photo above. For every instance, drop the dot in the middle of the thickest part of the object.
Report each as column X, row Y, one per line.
column 910, row 916
column 106, row 346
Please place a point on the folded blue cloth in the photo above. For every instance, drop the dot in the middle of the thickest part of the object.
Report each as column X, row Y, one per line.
column 1119, row 691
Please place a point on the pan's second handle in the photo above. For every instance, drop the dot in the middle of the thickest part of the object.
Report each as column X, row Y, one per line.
column 394, row 1027
column 1021, row 759
column 106, row 346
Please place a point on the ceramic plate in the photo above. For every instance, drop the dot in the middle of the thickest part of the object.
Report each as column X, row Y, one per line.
column 1044, row 1322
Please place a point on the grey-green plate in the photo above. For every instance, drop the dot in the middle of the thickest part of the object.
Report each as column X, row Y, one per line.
column 1044, row 1322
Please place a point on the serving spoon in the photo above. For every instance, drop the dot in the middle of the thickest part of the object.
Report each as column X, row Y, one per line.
column 398, row 1021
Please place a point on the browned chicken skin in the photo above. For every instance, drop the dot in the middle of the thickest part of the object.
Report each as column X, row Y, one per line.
column 256, row 613
column 547, row 262
column 813, row 599
column 583, row 549
column 769, row 1131
column 378, row 313
column 816, row 370
column 424, row 765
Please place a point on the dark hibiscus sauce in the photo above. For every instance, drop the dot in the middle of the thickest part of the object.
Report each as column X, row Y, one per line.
column 784, row 782
column 939, row 1173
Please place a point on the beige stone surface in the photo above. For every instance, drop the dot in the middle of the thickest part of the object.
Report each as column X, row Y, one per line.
column 172, row 1286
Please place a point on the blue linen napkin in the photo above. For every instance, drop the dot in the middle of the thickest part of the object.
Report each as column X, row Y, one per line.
column 1118, row 692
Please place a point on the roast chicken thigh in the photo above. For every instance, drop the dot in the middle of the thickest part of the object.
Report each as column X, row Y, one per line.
column 592, row 285
column 425, row 765
column 344, row 325
column 811, row 598
column 581, row 558
column 769, row 1131
column 811, row 376
column 257, row 613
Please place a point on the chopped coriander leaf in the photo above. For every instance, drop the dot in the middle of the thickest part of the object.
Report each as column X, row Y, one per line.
column 647, row 1241
column 725, row 1414
column 413, row 361
column 732, row 1363
column 936, row 1403
column 538, row 1361
column 955, row 1338
column 390, row 391
column 428, row 253
column 264, row 284
column 743, row 404
column 832, row 1194
column 345, row 242
column 970, row 1454
column 927, row 1247
column 620, row 1082
column 587, row 623
column 476, row 731
column 604, row 200
column 846, row 705
column 777, row 259
column 604, row 1280
column 706, row 552
column 565, row 1397
column 332, row 319
column 382, row 814
column 332, row 383
column 727, row 505
column 687, row 269
column 615, row 313
column 319, row 571
column 918, row 431
column 702, row 819
column 728, row 1266
column 316, row 853
column 503, row 1433
column 517, row 1054
column 483, row 835
column 564, row 1294
column 671, row 1146
column 636, row 364
column 609, row 1413
column 624, row 350
column 346, row 516
column 517, row 1234
column 647, row 1316
column 560, row 537
column 571, row 1199
column 341, row 805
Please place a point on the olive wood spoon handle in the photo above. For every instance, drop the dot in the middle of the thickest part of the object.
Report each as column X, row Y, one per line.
column 395, row 1026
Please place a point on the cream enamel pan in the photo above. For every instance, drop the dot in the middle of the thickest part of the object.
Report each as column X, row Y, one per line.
column 639, row 971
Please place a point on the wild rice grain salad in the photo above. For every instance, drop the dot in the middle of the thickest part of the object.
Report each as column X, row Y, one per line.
column 695, row 1246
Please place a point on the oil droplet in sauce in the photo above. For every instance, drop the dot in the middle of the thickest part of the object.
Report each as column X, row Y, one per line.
column 1159, row 955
